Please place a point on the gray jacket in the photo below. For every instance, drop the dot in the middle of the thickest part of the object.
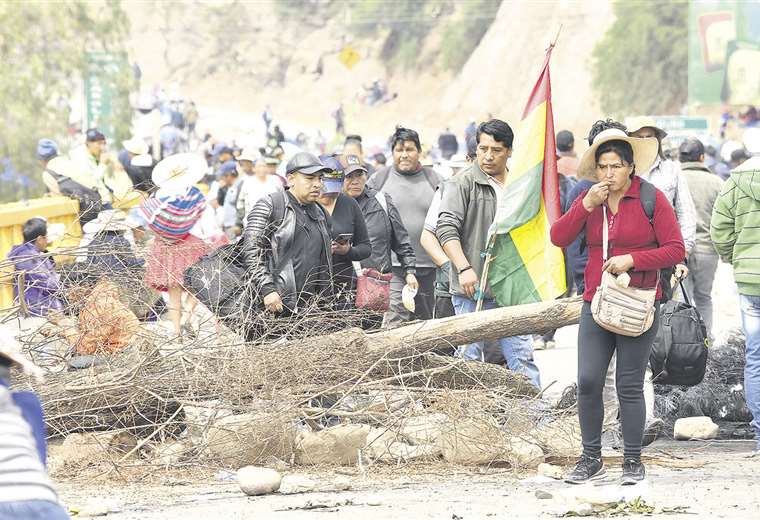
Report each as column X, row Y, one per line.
column 386, row 233
column 705, row 187
column 467, row 210
column 265, row 245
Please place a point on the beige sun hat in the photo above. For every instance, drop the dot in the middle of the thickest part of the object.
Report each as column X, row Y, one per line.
column 108, row 220
column 634, row 124
column 11, row 350
column 179, row 171
column 136, row 146
column 249, row 154
column 644, row 152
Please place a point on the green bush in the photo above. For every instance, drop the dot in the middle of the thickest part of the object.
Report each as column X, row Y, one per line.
column 641, row 63
column 462, row 35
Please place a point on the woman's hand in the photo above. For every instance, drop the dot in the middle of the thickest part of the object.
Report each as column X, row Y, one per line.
column 596, row 195
column 618, row 264
column 412, row 282
column 681, row 271
column 273, row 302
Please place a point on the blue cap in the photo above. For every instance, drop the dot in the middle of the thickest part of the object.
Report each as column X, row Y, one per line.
column 220, row 148
column 227, row 167
column 332, row 162
column 46, row 149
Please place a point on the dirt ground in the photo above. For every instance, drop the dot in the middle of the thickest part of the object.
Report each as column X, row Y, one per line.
column 721, row 483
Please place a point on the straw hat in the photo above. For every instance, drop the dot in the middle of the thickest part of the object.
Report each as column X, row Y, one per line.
column 11, row 350
column 634, row 124
column 135, row 146
column 179, row 171
column 108, row 220
column 250, row 154
column 644, row 152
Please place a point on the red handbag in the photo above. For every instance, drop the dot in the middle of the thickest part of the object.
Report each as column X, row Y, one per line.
column 373, row 290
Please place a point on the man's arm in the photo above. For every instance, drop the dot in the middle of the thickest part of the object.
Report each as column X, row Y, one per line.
column 723, row 222
column 686, row 212
column 430, row 244
column 450, row 222
column 256, row 244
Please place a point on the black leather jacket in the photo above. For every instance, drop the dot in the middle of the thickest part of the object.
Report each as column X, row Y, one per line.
column 266, row 243
column 386, row 233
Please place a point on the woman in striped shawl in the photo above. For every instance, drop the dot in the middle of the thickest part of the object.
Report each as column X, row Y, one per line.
column 171, row 214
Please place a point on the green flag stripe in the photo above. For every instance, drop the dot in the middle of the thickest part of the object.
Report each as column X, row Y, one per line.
column 520, row 201
column 508, row 278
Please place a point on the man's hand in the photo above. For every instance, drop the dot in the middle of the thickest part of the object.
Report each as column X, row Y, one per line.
column 469, row 282
column 412, row 282
column 341, row 248
column 681, row 271
column 596, row 195
column 618, row 264
column 273, row 302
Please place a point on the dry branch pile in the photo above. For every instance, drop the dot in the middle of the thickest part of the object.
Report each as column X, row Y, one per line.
column 341, row 398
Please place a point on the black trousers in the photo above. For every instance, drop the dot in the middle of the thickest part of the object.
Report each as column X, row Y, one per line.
column 595, row 348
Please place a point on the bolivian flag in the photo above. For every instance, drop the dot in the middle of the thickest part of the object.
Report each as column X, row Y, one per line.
column 524, row 265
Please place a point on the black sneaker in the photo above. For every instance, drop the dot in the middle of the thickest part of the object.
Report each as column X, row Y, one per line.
column 652, row 431
column 587, row 469
column 633, row 472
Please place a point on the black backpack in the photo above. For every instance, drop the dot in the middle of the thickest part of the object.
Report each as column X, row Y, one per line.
column 679, row 352
column 90, row 201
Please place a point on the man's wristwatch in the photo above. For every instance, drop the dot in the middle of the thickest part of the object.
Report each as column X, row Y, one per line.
column 460, row 271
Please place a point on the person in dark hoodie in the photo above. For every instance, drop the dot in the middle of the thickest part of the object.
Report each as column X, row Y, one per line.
column 36, row 271
column 26, row 491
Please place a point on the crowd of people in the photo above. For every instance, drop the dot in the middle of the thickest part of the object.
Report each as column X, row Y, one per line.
column 297, row 233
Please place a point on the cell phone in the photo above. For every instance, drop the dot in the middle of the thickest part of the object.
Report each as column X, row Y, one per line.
column 344, row 237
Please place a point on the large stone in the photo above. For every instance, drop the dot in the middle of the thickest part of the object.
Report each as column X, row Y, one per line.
column 258, row 481
column 385, row 446
column 425, row 429
column 551, row 471
column 695, row 428
column 82, row 449
column 474, row 441
column 559, row 438
column 523, row 454
column 169, row 453
column 200, row 416
column 250, row 439
column 293, row 484
column 337, row 445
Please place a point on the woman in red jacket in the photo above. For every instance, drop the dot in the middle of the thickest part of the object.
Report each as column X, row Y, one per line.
column 636, row 247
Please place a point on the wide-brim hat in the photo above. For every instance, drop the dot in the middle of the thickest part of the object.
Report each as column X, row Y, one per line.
column 249, row 154
column 11, row 350
column 108, row 220
column 644, row 152
column 135, row 146
column 179, row 171
column 634, row 124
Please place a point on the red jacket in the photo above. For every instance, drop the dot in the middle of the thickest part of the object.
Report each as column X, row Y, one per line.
column 652, row 247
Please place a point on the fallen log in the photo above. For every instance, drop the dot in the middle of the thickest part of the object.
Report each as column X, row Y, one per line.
column 147, row 391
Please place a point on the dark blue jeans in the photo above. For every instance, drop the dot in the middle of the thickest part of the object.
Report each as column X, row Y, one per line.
column 32, row 510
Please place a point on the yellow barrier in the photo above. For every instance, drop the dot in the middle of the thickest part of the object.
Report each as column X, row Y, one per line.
column 57, row 210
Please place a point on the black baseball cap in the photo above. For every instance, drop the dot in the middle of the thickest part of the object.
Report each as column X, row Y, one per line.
column 353, row 164
column 306, row 163
column 565, row 140
column 691, row 150
column 93, row 135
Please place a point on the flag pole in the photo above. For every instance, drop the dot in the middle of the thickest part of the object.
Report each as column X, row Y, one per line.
column 484, row 276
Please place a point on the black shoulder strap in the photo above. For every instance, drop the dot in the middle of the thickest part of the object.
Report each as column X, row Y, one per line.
column 648, row 197
column 431, row 177
column 381, row 177
column 279, row 201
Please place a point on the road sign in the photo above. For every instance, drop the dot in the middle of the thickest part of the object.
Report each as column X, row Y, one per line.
column 349, row 57
column 100, row 89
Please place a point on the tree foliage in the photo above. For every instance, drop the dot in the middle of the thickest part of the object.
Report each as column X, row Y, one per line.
column 43, row 57
column 641, row 63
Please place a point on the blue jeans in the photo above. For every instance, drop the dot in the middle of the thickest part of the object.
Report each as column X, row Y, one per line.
column 750, row 306
column 32, row 510
column 517, row 350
